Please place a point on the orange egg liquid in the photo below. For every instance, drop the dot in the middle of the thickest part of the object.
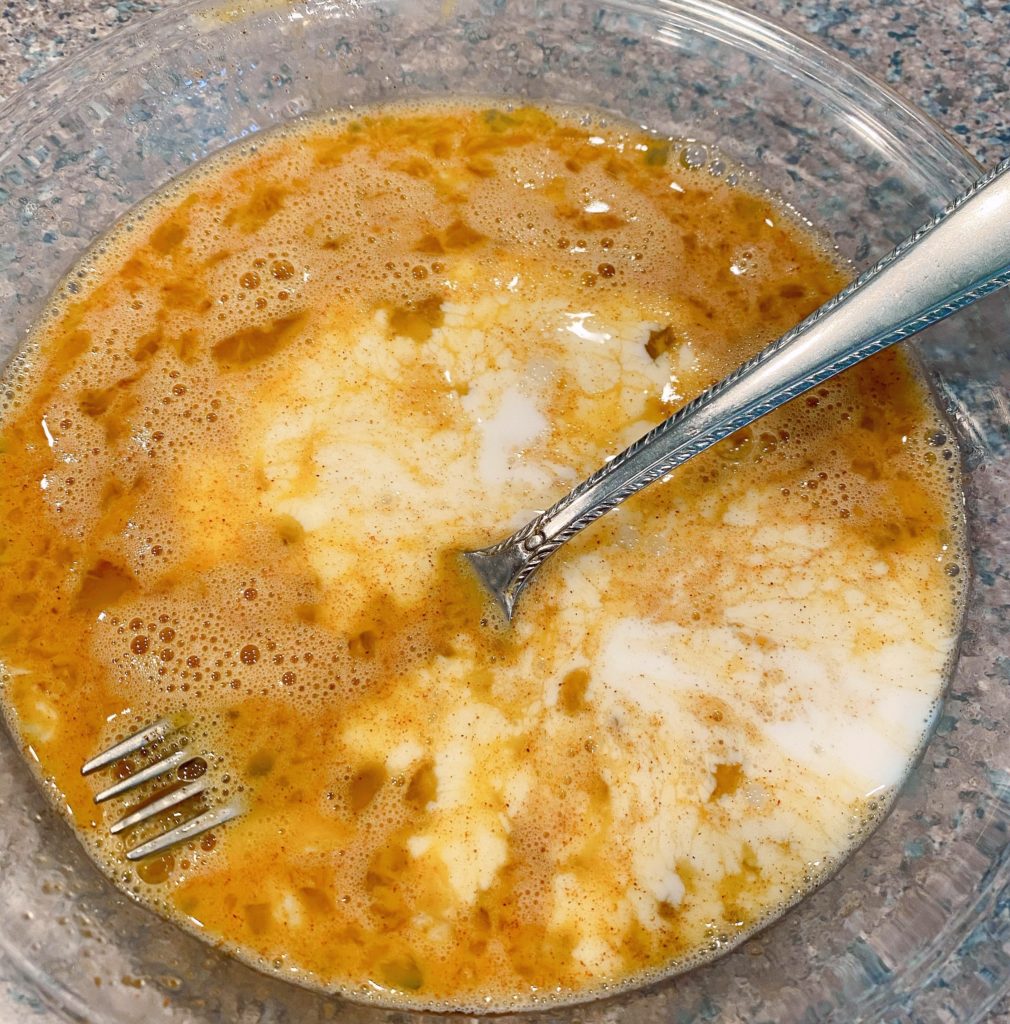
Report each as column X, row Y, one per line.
column 238, row 459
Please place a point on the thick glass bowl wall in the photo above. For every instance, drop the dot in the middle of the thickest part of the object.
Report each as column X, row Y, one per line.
column 915, row 926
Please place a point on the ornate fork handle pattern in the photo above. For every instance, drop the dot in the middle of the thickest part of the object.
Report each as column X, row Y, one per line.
column 960, row 255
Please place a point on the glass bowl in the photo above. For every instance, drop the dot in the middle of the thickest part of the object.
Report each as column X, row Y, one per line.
column 916, row 925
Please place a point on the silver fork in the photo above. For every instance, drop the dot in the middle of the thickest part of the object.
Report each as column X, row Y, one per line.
column 168, row 762
column 960, row 255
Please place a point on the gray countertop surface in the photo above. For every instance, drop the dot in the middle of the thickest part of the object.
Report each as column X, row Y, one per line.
column 951, row 58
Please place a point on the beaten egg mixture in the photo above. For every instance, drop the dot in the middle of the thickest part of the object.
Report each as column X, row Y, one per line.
column 240, row 454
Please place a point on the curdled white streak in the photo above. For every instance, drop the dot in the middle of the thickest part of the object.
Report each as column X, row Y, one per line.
column 504, row 434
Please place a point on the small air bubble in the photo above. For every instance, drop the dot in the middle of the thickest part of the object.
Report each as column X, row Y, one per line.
column 694, row 156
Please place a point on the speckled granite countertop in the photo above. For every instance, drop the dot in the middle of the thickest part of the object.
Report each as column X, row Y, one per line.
column 949, row 57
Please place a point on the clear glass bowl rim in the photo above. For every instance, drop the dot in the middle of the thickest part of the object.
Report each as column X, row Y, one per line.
column 892, row 119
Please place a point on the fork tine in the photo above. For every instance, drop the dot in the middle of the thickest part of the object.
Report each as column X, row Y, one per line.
column 152, row 771
column 188, row 830
column 163, row 803
column 158, row 731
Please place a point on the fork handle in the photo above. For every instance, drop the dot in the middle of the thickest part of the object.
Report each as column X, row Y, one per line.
column 960, row 255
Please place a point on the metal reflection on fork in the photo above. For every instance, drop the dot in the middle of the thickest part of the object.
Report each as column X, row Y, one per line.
column 161, row 766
